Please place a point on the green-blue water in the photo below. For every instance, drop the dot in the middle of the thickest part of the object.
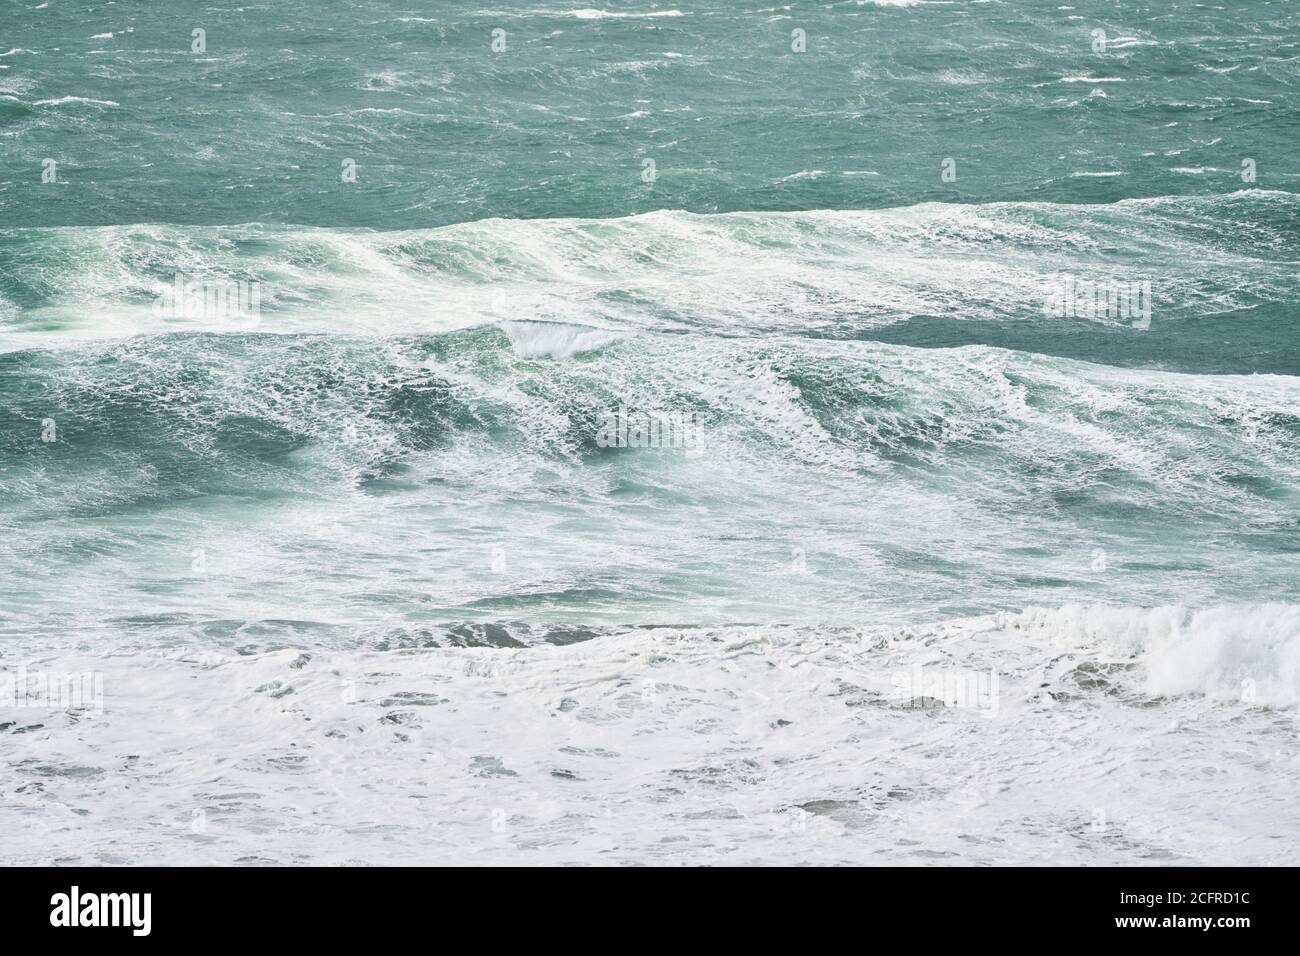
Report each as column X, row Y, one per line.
column 405, row 438
column 444, row 130
column 362, row 576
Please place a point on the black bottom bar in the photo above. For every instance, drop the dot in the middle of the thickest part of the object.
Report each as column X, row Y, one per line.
column 931, row 907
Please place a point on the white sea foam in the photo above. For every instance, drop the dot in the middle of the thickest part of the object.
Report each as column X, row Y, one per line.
column 553, row 340
column 75, row 99
column 1247, row 654
column 803, row 174
column 724, row 745
column 589, row 13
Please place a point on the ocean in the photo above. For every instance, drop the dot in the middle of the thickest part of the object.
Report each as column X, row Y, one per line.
column 663, row 433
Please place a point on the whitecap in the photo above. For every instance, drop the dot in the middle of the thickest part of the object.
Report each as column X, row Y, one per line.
column 75, row 99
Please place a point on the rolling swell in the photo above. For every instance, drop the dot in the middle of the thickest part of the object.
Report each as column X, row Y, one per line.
column 453, row 477
column 892, row 428
column 1222, row 271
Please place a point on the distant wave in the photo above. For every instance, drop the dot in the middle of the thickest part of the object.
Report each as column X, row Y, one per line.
column 64, row 100
column 797, row 272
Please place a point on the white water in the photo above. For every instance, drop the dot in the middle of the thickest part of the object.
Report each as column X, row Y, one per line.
column 727, row 745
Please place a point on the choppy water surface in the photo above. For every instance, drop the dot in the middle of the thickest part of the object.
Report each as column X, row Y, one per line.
column 937, row 574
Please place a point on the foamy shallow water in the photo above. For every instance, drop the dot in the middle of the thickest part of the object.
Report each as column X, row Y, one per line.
column 1109, row 736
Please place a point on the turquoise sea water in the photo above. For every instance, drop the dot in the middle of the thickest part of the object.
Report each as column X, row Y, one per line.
column 660, row 207
column 880, row 388
column 445, row 131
